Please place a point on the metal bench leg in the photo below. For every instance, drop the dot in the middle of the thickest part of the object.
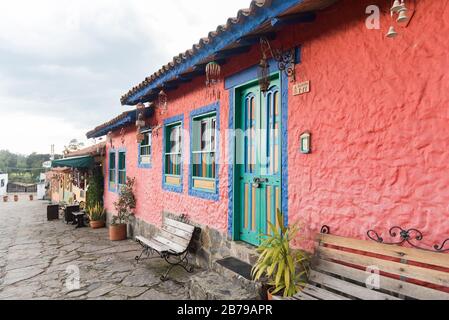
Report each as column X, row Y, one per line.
column 183, row 263
column 145, row 250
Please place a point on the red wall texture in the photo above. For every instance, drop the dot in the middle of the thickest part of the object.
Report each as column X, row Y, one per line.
column 378, row 113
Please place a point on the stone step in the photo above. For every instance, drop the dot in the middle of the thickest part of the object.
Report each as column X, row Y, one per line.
column 244, row 252
column 239, row 272
column 210, row 285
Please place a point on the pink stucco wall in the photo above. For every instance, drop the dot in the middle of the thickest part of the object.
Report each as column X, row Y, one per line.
column 378, row 112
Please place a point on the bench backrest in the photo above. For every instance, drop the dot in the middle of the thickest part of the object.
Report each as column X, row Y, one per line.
column 175, row 234
column 404, row 272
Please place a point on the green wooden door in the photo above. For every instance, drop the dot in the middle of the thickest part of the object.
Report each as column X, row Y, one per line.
column 258, row 160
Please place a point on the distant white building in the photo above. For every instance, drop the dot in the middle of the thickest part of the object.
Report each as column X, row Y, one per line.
column 3, row 183
column 41, row 191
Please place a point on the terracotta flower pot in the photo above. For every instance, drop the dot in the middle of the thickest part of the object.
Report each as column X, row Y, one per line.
column 270, row 295
column 31, row 197
column 5, row 198
column 118, row 232
column 97, row 224
column 16, row 198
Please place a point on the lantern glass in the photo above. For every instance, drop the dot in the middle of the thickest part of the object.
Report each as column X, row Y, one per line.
column 264, row 76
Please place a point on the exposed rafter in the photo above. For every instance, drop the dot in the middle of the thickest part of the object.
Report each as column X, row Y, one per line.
column 303, row 17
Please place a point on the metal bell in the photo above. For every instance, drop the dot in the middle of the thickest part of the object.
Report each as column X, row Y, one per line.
column 402, row 16
column 392, row 33
column 397, row 5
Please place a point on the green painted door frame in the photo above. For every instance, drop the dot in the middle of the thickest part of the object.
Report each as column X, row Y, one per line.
column 257, row 160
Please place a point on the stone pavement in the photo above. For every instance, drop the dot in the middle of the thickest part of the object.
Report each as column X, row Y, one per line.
column 38, row 260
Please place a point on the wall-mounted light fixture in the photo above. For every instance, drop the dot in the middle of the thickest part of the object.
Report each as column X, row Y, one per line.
column 305, row 141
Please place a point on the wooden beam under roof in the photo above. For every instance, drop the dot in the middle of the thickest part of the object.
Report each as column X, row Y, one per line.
column 302, row 17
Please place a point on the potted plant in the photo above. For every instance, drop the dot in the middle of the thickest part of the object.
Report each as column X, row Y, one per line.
column 31, row 197
column 16, row 198
column 96, row 215
column 284, row 268
column 124, row 210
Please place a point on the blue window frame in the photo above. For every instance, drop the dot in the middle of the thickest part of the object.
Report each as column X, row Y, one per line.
column 204, row 152
column 172, row 169
column 112, row 171
column 145, row 150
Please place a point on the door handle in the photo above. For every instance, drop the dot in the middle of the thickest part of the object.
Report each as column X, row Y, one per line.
column 256, row 183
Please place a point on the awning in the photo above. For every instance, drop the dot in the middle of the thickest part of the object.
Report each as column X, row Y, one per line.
column 75, row 162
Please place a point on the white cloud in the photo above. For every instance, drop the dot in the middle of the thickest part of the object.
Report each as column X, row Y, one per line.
column 65, row 64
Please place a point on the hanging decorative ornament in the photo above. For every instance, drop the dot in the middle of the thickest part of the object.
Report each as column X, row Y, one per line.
column 109, row 137
column 213, row 78
column 140, row 122
column 163, row 101
column 122, row 135
column 264, row 67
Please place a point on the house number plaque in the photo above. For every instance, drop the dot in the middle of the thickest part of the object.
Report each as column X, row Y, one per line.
column 301, row 88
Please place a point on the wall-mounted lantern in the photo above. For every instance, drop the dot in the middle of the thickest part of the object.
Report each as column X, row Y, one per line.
column 305, row 141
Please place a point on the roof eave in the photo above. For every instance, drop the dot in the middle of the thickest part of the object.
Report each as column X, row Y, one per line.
column 263, row 13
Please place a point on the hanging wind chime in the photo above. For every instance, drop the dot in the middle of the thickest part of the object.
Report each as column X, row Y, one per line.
column 140, row 122
column 109, row 138
column 398, row 7
column 122, row 135
column 264, row 66
column 213, row 78
column 163, row 101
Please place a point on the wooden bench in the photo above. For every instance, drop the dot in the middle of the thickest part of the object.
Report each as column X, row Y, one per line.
column 171, row 243
column 345, row 269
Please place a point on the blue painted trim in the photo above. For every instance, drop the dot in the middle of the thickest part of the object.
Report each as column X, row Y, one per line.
column 121, row 150
column 215, row 107
column 248, row 75
column 112, row 151
column 284, row 92
column 165, row 186
column 232, row 234
column 234, row 33
column 139, row 164
column 129, row 119
column 251, row 73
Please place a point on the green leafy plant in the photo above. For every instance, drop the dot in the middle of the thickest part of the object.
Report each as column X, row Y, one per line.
column 285, row 268
column 96, row 212
column 126, row 203
column 94, row 194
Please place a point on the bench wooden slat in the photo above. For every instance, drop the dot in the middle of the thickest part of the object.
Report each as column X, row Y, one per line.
column 180, row 233
column 397, row 286
column 170, row 244
column 437, row 259
column 160, row 247
column 322, row 294
column 408, row 271
column 301, row 296
column 178, row 240
column 180, row 225
column 346, row 287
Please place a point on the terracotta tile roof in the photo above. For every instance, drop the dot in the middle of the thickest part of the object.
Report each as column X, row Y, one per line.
column 95, row 150
column 241, row 16
column 124, row 119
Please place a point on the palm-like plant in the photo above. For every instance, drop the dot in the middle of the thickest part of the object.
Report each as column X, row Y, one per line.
column 96, row 212
column 285, row 268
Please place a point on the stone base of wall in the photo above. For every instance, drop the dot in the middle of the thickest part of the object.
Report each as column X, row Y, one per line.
column 208, row 246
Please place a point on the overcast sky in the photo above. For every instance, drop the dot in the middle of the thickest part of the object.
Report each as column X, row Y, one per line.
column 65, row 64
